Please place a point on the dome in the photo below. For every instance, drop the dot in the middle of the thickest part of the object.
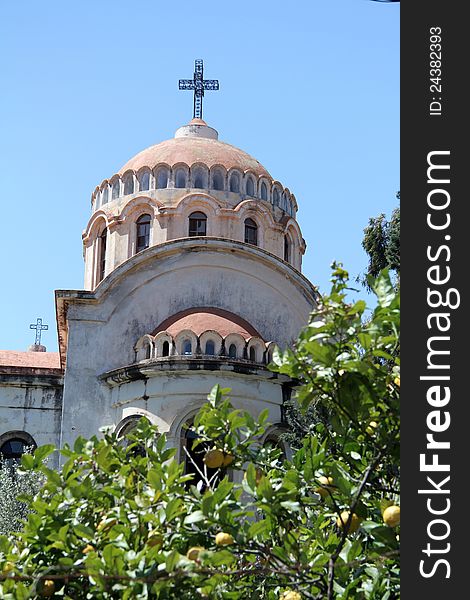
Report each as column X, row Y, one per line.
column 196, row 143
column 204, row 319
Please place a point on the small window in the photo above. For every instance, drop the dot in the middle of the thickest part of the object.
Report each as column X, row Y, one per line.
column 115, row 189
column 102, row 241
column 128, row 184
column 253, row 354
column 199, row 180
column 232, row 351
column 166, row 349
column 187, row 347
column 251, row 232
column 250, row 188
column 276, row 197
column 12, row 450
column 264, row 191
column 197, row 224
column 104, row 195
column 286, row 249
column 162, row 179
column 180, row 179
column 217, row 181
column 143, row 233
column 144, row 181
column 148, row 351
column 234, row 183
column 210, row 348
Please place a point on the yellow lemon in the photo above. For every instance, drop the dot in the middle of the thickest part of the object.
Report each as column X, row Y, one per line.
column 396, row 381
column 88, row 548
column 355, row 521
column 326, row 483
column 223, row 539
column 214, row 459
column 372, row 425
column 391, row 516
column 291, row 596
column 7, row 567
column 193, row 553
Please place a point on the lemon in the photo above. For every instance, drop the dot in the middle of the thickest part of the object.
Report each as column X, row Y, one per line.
column 396, row 381
column 88, row 548
column 326, row 483
column 355, row 521
column 391, row 515
column 7, row 567
column 370, row 428
column 214, row 459
column 46, row 588
column 291, row 596
column 228, row 460
column 223, row 539
column 193, row 553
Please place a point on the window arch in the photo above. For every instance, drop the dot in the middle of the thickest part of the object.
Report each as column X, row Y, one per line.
column 180, row 181
column 162, row 179
column 252, row 354
column 251, row 232
column 210, row 348
column 199, row 179
column 104, row 195
column 128, row 184
column 276, row 197
column 187, row 347
column 234, row 183
column 197, row 224
column 166, row 348
column 102, row 243
column 287, row 249
column 264, row 191
column 115, row 189
column 144, row 181
column 232, row 351
column 250, row 187
column 217, row 181
column 142, row 233
column 14, row 444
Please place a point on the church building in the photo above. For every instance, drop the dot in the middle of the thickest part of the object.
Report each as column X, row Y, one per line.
column 193, row 260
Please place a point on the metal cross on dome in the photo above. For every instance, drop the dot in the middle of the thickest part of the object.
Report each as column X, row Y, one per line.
column 198, row 84
column 38, row 326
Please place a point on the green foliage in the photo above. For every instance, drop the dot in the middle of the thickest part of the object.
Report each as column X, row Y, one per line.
column 123, row 521
column 381, row 241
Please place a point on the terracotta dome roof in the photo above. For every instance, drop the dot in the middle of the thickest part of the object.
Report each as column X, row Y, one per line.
column 195, row 143
column 203, row 319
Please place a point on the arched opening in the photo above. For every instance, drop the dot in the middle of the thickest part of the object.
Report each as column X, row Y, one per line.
column 187, row 347
column 148, row 351
column 252, row 354
column 144, row 181
column 143, row 233
column 104, row 195
column 166, row 348
column 197, row 224
column 180, row 179
column 217, row 181
column 232, row 351
column 235, row 183
column 276, row 197
column 115, row 189
column 199, row 179
column 162, row 179
column 102, row 242
column 250, row 188
column 251, row 232
column 194, row 461
column 264, row 191
column 14, row 444
column 287, row 248
column 210, row 348
column 128, row 184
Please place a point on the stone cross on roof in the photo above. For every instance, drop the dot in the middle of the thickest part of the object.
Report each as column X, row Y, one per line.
column 38, row 326
column 198, row 84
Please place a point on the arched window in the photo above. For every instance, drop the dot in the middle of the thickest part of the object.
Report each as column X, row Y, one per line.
column 199, row 179
column 235, row 183
column 128, row 184
column 286, row 249
column 251, row 232
column 194, row 460
column 250, row 188
column 253, row 354
column 232, row 351
column 104, row 195
column 143, row 233
column 187, row 347
column 217, row 181
column 162, row 179
column 102, row 242
column 264, row 191
column 144, row 181
column 166, row 348
column 197, row 224
column 276, row 197
column 148, row 351
column 180, row 179
column 210, row 348
column 115, row 189
column 14, row 444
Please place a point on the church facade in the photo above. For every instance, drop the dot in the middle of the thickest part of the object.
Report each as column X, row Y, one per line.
column 193, row 260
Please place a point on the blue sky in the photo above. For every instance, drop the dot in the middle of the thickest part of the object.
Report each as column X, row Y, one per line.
column 310, row 88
